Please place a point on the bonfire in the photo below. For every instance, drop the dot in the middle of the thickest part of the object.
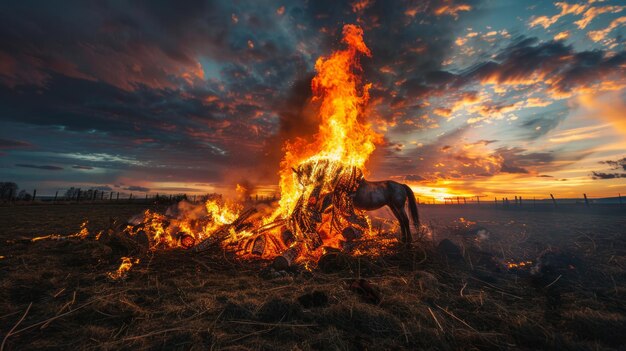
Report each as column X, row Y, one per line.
column 318, row 177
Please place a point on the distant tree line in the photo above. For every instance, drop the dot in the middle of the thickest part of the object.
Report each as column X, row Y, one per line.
column 9, row 191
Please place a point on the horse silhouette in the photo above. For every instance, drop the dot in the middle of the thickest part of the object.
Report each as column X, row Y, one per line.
column 371, row 196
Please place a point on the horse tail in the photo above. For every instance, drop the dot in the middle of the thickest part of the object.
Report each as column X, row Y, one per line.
column 412, row 207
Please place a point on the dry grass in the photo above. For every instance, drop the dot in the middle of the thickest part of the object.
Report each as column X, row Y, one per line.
column 178, row 300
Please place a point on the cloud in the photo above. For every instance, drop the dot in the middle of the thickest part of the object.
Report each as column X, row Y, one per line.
column 601, row 175
column 413, row 178
column 566, row 9
column 205, row 91
column 137, row 188
column 13, row 144
column 557, row 67
column 451, row 9
column 43, row 167
column 597, row 35
column 617, row 164
column 594, row 12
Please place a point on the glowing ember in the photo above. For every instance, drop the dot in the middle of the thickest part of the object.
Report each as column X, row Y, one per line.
column 521, row 264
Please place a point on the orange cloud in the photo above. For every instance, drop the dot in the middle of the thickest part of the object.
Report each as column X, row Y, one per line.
column 452, row 10
column 609, row 107
column 593, row 12
column 598, row 35
column 566, row 9
column 562, row 35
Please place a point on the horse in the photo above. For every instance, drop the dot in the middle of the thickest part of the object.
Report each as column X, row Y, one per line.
column 365, row 195
column 371, row 196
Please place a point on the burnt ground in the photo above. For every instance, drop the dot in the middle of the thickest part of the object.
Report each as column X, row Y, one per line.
column 418, row 299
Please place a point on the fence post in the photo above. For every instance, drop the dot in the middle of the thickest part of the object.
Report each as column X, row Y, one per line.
column 55, row 196
column 78, row 196
column 130, row 198
column 586, row 201
column 118, row 196
column 34, row 194
column 520, row 201
column 553, row 200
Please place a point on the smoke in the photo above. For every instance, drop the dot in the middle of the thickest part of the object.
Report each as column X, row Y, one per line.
column 297, row 119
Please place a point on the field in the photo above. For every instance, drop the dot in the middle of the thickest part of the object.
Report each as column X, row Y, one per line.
column 56, row 294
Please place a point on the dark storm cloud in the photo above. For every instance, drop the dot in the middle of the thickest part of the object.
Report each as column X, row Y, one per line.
column 528, row 60
column 201, row 88
column 44, row 167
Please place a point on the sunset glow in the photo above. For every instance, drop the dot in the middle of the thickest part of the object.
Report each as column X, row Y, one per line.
column 463, row 98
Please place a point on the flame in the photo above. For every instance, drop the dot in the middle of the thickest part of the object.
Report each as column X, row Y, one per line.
column 122, row 270
column 343, row 137
column 81, row 234
column 191, row 224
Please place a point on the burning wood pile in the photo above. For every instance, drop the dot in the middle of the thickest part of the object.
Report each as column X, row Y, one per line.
column 317, row 180
column 318, row 177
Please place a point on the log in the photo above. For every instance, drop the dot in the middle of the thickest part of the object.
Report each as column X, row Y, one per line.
column 288, row 257
column 258, row 248
column 207, row 243
column 223, row 232
column 185, row 240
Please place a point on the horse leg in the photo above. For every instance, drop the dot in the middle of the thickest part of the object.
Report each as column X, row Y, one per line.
column 404, row 224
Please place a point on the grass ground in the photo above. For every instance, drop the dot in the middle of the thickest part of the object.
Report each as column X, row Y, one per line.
column 429, row 300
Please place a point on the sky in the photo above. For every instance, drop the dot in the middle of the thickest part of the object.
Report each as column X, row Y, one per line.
column 473, row 98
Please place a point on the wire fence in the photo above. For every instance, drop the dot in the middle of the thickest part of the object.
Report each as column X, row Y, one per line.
column 73, row 195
